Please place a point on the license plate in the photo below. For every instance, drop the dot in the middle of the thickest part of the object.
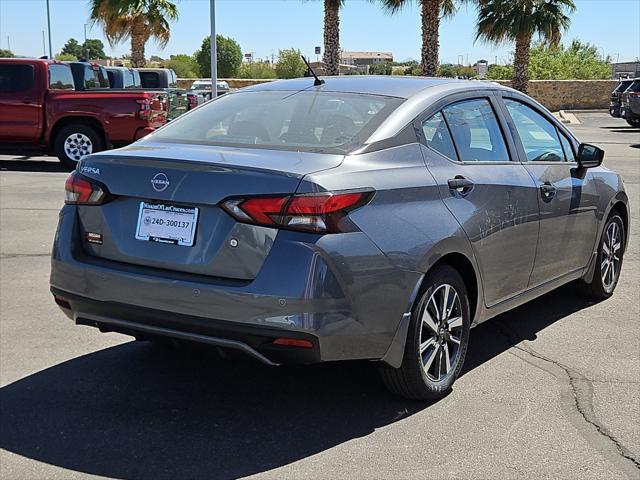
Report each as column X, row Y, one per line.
column 167, row 224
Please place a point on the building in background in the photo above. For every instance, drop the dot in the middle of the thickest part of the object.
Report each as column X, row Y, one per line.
column 362, row 60
column 481, row 67
column 625, row 70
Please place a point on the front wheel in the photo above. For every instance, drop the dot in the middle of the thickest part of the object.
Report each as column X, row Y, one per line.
column 73, row 142
column 436, row 341
column 609, row 260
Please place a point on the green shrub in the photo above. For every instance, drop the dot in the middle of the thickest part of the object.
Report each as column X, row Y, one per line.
column 256, row 70
column 290, row 64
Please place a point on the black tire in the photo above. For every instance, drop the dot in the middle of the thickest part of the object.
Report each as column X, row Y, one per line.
column 634, row 122
column 78, row 133
column 413, row 380
column 597, row 288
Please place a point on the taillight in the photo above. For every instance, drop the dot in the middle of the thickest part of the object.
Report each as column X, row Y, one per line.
column 193, row 101
column 144, row 113
column 316, row 212
column 80, row 190
column 634, row 94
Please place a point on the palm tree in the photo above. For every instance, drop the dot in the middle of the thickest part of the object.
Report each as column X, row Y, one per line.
column 136, row 19
column 519, row 21
column 331, row 56
column 431, row 12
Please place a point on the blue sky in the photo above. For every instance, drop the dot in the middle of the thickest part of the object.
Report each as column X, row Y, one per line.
column 264, row 26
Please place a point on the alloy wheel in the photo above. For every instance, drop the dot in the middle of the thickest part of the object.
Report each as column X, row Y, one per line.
column 611, row 256
column 441, row 332
column 77, row 145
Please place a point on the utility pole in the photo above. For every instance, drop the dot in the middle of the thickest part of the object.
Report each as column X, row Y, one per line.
column 8, row 43
column 49, row 30
column 214, row 53
column 44, row 49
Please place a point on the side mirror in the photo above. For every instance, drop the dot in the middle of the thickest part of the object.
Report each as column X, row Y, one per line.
column 589, row 156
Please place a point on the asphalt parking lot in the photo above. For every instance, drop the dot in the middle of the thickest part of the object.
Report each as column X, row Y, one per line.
column 550, row 390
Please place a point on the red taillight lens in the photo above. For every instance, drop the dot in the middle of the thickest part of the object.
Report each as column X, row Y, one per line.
column 321, row 213
column 144, row 113
column 193, row 101
column 634, row 94
column 293, row 342
column 79, row 190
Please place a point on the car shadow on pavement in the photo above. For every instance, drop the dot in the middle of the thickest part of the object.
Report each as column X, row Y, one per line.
column 132, row 411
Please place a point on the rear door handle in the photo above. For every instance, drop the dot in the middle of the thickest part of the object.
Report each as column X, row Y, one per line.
column 548, row 190
column 461, row 184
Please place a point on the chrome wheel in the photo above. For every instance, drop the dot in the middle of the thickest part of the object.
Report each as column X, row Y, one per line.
column 611, row 256
column 77, row 145
column 441, row 332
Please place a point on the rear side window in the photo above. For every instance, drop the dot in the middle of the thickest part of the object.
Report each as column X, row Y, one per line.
column 16, row 78
column 538, row 135
column 112, row 77
column 60, row 78
column 437, row 136
column 150, row 79
column 476, row 132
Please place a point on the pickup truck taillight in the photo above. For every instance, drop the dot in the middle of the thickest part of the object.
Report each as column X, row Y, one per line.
column 80, row 190
column 144, row 113
column 193, row 101
column 316, row 212
column 634, row 94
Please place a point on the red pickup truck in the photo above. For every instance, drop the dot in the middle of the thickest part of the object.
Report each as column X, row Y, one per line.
column 39, row 107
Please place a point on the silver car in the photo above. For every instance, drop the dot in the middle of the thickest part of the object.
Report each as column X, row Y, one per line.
column 365, row 218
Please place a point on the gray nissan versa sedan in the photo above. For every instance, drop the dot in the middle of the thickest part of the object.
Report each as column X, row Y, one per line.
column 373, row 218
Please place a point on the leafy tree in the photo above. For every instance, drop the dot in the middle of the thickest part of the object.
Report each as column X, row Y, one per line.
column 256, row 70
column 579, row 61
column 66, row 57
column 72, row 47
column 448, row 70
column 93, row 49
column 382, row 68
column 290, row 64
column 156, row 58
column 184, row 65
column 500, row 72
column 431, row 12
column 4, row 53
column 229, row 57
column 138, row 20
column 519, row 21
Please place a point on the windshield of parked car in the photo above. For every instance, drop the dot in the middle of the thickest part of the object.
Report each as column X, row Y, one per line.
column 331, row 122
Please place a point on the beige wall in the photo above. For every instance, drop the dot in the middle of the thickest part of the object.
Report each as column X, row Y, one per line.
column 553, row 94
column 571, row 94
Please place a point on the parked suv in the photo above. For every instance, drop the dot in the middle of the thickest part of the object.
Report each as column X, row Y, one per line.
column 616, row 97
column 365, row 218
column 630, row 106
column 40, row 108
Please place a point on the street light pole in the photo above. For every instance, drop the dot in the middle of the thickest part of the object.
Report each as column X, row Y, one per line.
column 49, row 30
column 214, row 54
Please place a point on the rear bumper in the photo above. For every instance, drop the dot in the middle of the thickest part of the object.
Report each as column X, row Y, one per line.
column 342, row 294
column 142, row 322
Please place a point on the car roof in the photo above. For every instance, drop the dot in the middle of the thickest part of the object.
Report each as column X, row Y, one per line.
column 388, row 85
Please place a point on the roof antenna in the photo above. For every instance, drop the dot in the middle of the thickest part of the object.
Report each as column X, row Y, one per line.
column 317, row 82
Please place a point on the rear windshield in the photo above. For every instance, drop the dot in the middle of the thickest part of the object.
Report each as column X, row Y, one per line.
column 635, row 87
column 622, row 86
column 310, row 121
column 150, row 79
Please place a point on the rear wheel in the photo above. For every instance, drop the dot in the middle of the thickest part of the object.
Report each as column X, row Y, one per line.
column 609, row 260
column 75, row 141
column 436, row 341
column 634, row 122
